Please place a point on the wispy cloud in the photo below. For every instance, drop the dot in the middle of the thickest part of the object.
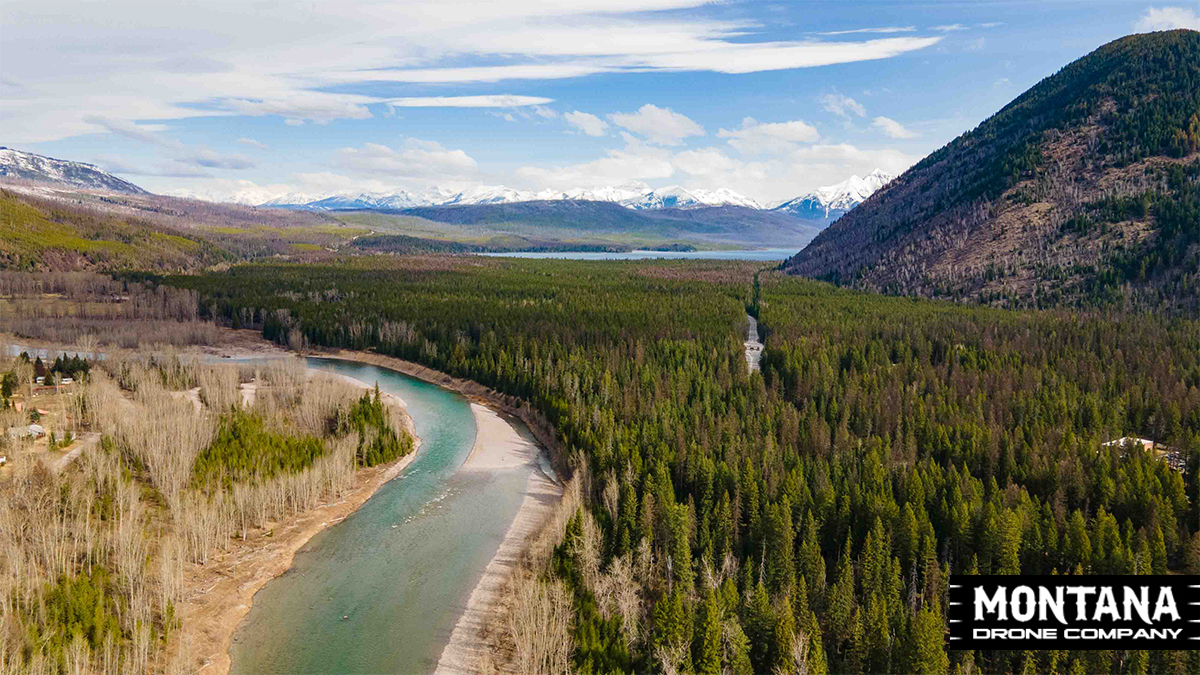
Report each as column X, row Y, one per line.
column 949, row 28
column 884, row 29
column 297, row 65
column 150, row 133
column 586, row 123
column 892, row 128
column 1167, row 18
column 842, row 105
column 414, row 158
column 485, row 101
column 253, row 143
column 214, row 160
column 146, row 133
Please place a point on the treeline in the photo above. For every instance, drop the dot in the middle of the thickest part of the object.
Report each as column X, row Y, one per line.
column 805, row 519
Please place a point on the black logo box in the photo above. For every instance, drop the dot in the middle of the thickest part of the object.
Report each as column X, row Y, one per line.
column 967, row 631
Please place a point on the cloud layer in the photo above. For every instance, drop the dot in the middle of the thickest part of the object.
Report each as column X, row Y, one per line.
column 308, row 62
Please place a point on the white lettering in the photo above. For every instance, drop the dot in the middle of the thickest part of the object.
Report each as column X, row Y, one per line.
column 1107, row 604
column 1139, row 602
column 1081, row 593
column 1166, row 604
column 994, row 605
column 1022, row 603
column 1053, row 603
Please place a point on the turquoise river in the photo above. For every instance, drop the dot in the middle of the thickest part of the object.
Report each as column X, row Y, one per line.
column 380, row 591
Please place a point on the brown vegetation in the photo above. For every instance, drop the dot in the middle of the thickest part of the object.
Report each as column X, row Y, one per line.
column 117, row 532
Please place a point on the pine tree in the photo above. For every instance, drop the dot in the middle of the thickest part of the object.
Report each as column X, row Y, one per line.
column 928, row 644
column 707, row 645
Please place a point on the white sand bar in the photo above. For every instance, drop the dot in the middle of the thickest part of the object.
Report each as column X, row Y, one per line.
column 499, row 446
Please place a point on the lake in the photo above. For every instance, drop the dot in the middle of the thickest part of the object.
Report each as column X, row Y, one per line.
column 765, row 254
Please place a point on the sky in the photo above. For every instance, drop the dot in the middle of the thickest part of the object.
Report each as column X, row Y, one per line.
column 252, row 100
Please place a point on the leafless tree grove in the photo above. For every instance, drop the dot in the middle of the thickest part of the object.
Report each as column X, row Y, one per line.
column 131, row 506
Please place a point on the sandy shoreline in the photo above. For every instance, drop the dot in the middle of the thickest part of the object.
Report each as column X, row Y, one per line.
column 499, row 446
column 222, row 592
column 538, row 425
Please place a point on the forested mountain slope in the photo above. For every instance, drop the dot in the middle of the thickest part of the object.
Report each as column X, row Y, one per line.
column 1085, row 190
column 66, row 229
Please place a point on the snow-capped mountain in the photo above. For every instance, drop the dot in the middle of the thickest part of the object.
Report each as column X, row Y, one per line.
column 675, row 197
column 831, row 201
column 637, row 196
column 617, row 194
column 28, row 166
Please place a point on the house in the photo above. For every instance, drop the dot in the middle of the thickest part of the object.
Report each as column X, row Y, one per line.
column 1130, row 441
column 1164, row 453
column 33, row 430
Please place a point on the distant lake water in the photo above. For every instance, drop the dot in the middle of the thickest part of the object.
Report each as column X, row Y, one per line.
column 759, row 254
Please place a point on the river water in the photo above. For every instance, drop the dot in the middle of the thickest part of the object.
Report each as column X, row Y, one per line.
column 380, row 591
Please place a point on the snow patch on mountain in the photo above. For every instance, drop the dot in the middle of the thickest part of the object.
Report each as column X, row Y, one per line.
column 632, row 195
column 832, row 201
column 28, row 166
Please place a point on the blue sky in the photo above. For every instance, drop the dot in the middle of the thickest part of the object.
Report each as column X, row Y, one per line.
column 248, row 100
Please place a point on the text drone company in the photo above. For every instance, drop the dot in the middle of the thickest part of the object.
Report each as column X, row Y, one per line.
column 1056, row 612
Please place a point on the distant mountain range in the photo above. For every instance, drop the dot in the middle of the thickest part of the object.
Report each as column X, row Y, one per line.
column 30, row 167
column 720, row 215
column 825, row 204
column 638, row 196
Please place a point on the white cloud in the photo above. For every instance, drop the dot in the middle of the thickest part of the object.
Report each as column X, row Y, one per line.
column 149, row 133
column 885, row 29
column 212, row 160
column 313, row 106
column 586, row 123
column 658, row 125
column 146, row 133
column 635, row 162
column 253, row 143
column 486, row 101
column 286, row 58
column 842, row 105
column 949, row 28
column 545, row 112
column 769, row 178
column 1167, row 18
column 414, row 158
column 770, row 137
column 892, row 128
